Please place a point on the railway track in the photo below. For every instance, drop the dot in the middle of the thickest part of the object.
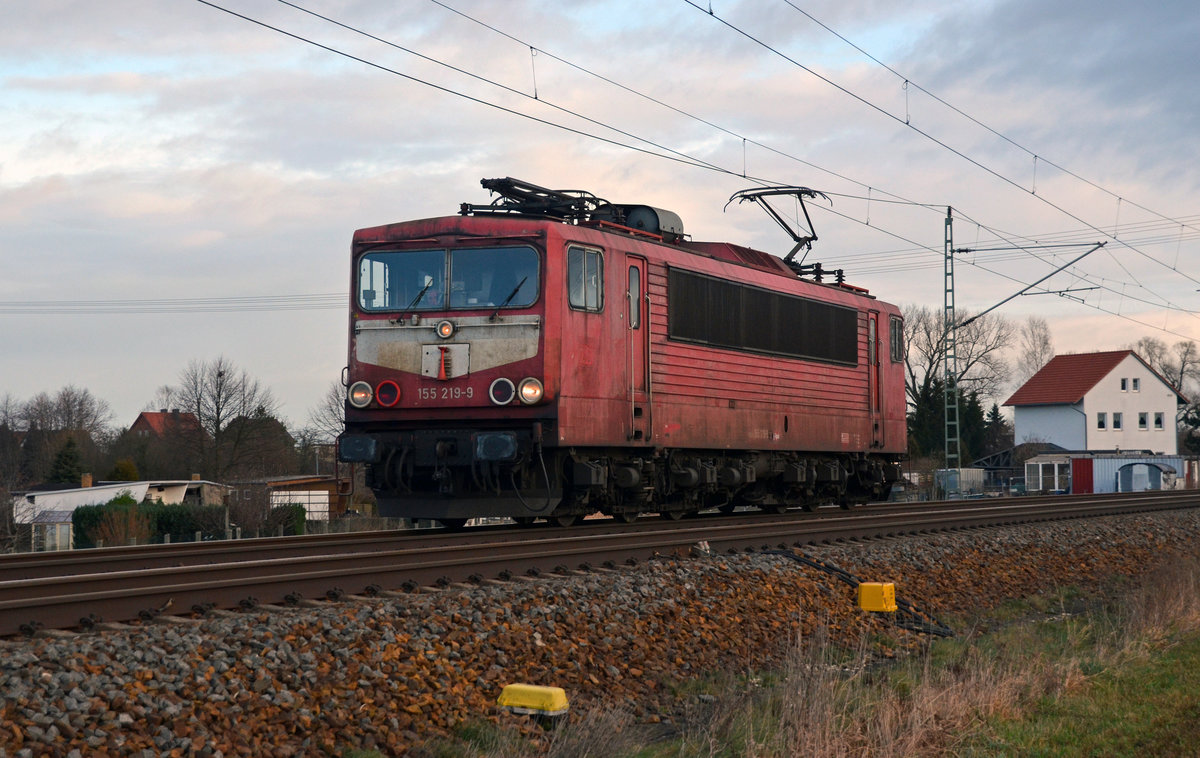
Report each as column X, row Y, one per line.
column 79, row 589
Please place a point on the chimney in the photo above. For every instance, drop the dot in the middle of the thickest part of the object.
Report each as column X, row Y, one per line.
column 162, row 410
column 195, row 477
column 85, row 481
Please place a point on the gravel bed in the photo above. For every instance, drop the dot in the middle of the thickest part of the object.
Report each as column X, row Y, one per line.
column 390, row 672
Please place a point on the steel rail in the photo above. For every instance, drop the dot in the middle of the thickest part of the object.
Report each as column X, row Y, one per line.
column 18, row 566
column 23, row 566
column 72, row 600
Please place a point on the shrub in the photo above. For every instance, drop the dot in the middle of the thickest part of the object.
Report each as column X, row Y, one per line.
column 290, row 516
column 122, row 519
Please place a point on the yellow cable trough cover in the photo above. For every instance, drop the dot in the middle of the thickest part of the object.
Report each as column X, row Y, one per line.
column 533, row 699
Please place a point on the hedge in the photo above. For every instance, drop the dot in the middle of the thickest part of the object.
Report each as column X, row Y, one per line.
column 181, row 522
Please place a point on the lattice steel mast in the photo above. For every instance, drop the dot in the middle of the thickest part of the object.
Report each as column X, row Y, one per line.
column 950, row 369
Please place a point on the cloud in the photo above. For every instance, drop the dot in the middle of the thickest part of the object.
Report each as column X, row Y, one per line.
column 176, row 149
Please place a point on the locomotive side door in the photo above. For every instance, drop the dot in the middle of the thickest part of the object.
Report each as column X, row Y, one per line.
column 637, row 347
column 874, row 385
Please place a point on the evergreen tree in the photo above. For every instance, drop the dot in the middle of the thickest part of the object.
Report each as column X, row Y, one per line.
column 1190, row 429
column 972, row 430
column 927, row 420
column 999, row 432
column 68, row 465
column 927, row 424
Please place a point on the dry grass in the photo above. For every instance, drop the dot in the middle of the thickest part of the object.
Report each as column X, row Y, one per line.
column 832, row 702
column 828, row 700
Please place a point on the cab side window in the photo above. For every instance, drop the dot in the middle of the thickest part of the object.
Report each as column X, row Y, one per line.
column 897, row 340
column 585, row 279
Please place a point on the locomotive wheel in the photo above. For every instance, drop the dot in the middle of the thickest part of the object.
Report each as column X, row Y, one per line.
column 565, row 519
column 672, row 515
column 453, row 523
column 626, row 517
column 524, row 520
column 727, row 509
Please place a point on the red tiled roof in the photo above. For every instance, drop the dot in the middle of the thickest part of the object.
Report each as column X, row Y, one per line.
column 160, row 423
column 1067, row 378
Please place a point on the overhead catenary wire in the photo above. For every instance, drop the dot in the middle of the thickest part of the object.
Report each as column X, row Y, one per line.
column 235, row 304
column 744, row 140
column 679, row 157
column 991, row 171
column 1036, row 157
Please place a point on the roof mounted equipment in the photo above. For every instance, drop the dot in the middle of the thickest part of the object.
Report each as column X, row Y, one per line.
column 522, row 198
column 760, row 194
column 574, row 207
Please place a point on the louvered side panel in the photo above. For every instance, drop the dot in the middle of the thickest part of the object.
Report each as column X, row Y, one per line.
column 688, row 372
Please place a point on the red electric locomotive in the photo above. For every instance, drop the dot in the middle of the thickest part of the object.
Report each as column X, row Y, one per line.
column 552, row 355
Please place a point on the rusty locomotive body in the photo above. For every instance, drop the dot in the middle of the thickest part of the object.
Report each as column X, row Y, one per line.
column 553, row 355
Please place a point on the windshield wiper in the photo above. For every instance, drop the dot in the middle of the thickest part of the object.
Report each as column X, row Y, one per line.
column 420, row 295
column 508, row 299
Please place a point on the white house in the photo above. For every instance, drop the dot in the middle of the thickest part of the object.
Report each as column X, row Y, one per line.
column 1097, row 401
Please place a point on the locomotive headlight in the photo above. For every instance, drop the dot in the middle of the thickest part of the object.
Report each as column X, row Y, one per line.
column 502, row 391
column 387, row 393
column 530, row 391
column 445, row 329
column 360, row 394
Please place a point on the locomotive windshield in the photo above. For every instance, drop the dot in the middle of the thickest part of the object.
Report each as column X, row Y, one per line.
column 469, row 278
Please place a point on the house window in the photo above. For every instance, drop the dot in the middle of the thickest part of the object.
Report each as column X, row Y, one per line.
column 1137, row 384
column 585, row 279
column 1158, row 421
column 1116, row 421
column 1143, row 421
column 1124, row 385
column 1101, row 420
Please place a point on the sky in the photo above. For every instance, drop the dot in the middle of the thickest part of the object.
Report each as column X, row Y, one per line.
column 179, row 183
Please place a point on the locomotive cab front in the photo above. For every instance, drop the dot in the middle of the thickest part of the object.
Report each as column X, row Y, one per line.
column 447, row 395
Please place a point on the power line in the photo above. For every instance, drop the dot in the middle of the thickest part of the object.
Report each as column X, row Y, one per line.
column 910, row 83
column 676, row 156
column 745, row 139
column 240, row 304
column 447, row 90
column 505, row 87
column 589, row 72
column 709, row 12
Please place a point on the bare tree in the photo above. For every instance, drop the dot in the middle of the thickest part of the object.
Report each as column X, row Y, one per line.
column 1036, row 349
column 979, row 348
column 10, row 445
column 164, row 397
column 10, row 411
column 235, row 416
column 1179, row 364
column 71, row 409
column 48, row 421
column 10, row 467
column 328, row 419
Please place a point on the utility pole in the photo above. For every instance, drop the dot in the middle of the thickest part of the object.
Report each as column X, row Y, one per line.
column 950, row 369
